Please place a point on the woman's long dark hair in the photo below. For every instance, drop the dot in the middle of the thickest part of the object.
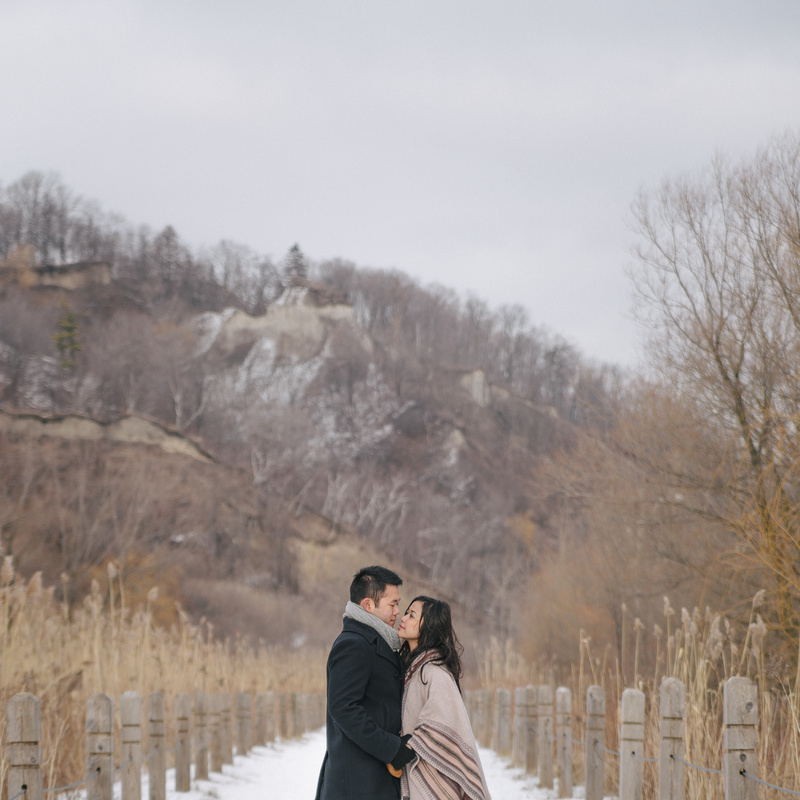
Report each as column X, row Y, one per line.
column 436, row 633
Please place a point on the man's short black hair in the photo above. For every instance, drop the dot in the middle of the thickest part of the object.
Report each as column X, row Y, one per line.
column 372, row 582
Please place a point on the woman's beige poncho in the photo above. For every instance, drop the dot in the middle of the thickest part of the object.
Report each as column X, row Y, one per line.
column 447, row 766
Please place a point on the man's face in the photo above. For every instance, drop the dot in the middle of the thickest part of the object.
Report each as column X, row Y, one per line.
column 388, row 606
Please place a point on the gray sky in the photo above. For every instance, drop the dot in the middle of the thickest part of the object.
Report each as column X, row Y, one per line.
column 491, row 147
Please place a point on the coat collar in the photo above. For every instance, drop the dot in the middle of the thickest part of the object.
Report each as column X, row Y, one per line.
column 371, row 635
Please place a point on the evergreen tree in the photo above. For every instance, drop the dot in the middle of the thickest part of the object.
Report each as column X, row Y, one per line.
column 295, row 266
column 66, row 339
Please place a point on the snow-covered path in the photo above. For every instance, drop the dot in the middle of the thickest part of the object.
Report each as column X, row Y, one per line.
column 289, row 770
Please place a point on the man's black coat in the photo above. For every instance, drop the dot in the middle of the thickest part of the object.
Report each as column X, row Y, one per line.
column 365, row 692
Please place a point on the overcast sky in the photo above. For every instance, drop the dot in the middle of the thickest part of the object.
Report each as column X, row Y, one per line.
column 492, row 147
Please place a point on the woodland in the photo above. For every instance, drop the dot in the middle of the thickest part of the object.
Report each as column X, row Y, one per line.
column 343, row 414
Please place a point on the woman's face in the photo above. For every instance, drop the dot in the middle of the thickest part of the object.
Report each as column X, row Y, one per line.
column 410, row 624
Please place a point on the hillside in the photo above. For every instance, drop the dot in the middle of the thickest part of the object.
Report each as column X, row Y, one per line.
column 238, row 427
column 80, row 496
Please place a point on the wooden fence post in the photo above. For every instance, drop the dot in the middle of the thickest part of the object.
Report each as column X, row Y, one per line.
column 501, row 739
column 469, row 704
column 299, row 714
column 740, row 746
column 595, row 742
column 291, row 715
column 281, row 704
column 476, row 716
column 485, row 716
column 99, row 747
column 260, row 727
column 156, row 746
column 183, row 748
column 214, row 727
column 271, row 714
column 564, row 740
column 631, row 743
column 23, row 737
column 226, row 736
column 520, row 721
column 321, row 709
column 244, row 722
column 130, row 710
column 545, row 730
column 531, row 760
column 671, row 784
column 201, row 702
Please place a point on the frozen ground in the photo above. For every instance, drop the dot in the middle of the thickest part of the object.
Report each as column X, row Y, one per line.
column 289, row 770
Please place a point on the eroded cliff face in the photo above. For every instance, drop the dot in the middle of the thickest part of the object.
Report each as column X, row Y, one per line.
column 130, row 429
column 298, row 328
column 23, row 271
column 299, row 331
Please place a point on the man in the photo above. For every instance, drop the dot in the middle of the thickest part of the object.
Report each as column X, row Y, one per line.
column 365, row 692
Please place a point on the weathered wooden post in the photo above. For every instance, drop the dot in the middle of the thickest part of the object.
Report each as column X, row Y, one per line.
column 99, row 747
column 518, row 736
column 23, row 737
column 260, row 726
column 291, row 715
column 545, row 729
column 477, row 721
column 130, row 711
column 156, row 746
column 226, row 729
column 214, row 728
column 244, row 722
column 740, row 754
column 595, row 742
column 271, row 714
column 486, row 716
column 631, row 745
column 201, row 703
column 501, row 740
column 564, row 740
column 531, row 758
column 471, row 698
column 183, row 747
column 312, row 711
column 298, row 714
column 281, row 715
column 672, row 726
column 321, row 709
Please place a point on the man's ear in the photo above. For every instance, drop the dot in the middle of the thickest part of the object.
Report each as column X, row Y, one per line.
column 368, row 604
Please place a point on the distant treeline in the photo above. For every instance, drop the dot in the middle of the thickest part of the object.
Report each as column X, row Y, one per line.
column 432, row 323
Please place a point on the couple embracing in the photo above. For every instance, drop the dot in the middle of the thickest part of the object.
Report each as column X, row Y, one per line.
column 396, row 723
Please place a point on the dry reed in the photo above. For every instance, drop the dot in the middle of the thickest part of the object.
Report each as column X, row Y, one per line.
column 64, row 655
column 701, row 650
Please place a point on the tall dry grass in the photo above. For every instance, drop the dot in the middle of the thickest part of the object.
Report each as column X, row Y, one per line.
column 701, row 650
column 63, row 656
column 501, row 666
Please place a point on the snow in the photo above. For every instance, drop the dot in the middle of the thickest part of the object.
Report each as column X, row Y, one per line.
column 208, row 327
column 289, row 770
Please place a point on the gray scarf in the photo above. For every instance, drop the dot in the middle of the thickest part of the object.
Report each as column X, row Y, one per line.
column 388, row 633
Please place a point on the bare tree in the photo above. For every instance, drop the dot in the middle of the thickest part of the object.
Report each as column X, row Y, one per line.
column 717, row 279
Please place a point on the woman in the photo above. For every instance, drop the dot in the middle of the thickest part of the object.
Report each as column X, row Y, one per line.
column 447, row 766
